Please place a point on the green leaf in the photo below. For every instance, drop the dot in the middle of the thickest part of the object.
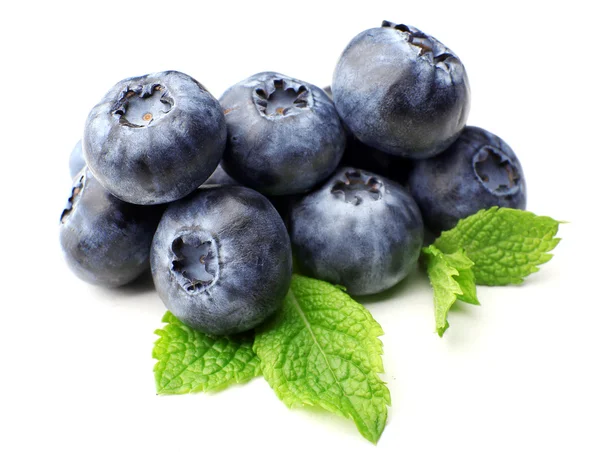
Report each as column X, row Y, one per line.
column 505, row 244
column 323, row 350
column 451, row 277
column 190, row 361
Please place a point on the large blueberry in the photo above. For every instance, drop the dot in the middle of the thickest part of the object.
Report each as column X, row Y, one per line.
column 360, row 230
column 155, row 138
column 478, row 171
column 284, row 135
column 105, row 241
column 401, row 91
column 76, row 160
column 221, row 259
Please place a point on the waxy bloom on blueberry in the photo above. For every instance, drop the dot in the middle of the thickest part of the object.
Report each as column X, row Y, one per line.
column 359, row 230
column 401, row 91
column 105, row 241
column 477, row 172
column 221, row 259
column 284, row 135
column 155, row 138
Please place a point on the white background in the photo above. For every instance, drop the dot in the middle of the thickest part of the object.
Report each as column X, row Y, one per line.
column 517, row 374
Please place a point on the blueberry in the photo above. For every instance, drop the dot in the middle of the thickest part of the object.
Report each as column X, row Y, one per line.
column 76, row 160
column 364, row 157
column 221, row 178
column 478, row 171
column 360, row 230
column 401, row 91
column 221, row 259
column 105, row 241
column 155, row 138
column 284, row 135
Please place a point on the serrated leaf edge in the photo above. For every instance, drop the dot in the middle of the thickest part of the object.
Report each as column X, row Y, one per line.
column 168, row 318
column 292, row 401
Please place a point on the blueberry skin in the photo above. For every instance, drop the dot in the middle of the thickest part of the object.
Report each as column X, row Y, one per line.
column 284, row 135
column 364, row 157
column 221, row 259
column 155, row 138
column 359, row 230
column 105, row 241
column 477, row 172
column 76, row 160
column 401, row 91
column 221, row 178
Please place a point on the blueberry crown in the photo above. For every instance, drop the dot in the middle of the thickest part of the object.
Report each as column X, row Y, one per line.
column 194, row 261
column 427, row 46
column 141, row 105
column 496, row 171
column 356, row 186
column 281, row 97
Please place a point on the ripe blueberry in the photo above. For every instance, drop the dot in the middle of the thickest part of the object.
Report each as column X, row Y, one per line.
column 364, row 157
column 155, row 138
column 105, row 241
column 477, row 172
column 221, row 259
column 360, row 230
column 284, row 135
column 401, row 91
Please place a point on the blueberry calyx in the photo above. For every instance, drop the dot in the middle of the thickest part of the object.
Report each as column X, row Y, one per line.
column 281, row 97
column 141, row 105
column 78, row 187
column 495, row 171
column 356, row 187
column 429, row 48
column 194, row 263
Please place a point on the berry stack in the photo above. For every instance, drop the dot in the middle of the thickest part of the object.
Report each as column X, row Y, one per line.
column 216, row 196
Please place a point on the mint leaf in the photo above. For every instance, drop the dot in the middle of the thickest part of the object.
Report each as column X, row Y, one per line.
column 190, row 361
column 323, row 350
column 451, row 277
column 505, row 244
column 465, row 277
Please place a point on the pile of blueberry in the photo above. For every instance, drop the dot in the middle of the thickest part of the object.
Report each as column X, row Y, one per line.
column 217, row 195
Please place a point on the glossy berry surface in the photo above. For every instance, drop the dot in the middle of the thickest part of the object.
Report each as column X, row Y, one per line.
column 76, row 160
column 284, row 135
column 401, row 91
column 359, row 230
column 477, row 172
column 221, row 259
column 105, row 241
column 155, row 138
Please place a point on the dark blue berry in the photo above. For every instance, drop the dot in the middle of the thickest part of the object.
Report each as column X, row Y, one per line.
column 359, row 230
column 284, row 135
column 155, row 138
column 477, row 172
column 105, row 241
column 221, row 259
column 401, row 91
